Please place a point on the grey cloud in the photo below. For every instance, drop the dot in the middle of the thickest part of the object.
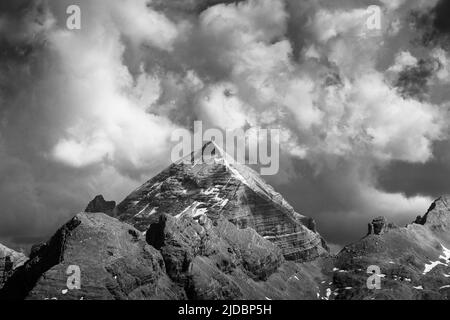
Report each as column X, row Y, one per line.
column 414, row 81
column 414, row 178
column 189, row 6
column 433, row 24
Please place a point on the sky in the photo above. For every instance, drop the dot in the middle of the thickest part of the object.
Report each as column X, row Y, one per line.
column 363, row 112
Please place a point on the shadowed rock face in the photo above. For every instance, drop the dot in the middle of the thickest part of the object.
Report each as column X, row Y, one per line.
column 214, row 184
column 114, row 260
column 98, row 204
column 216, row 260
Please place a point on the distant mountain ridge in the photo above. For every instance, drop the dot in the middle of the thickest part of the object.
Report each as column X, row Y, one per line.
column 210, row 228
column 414, row 260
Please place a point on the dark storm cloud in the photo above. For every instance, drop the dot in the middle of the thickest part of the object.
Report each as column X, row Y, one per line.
column 14, row 7
column 414, row 81
column 343, row 201
column 441, row 12
column 434, row 24
column 413, row 179
column 189, row 6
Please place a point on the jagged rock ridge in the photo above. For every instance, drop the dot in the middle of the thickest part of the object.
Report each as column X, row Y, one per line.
column 414, row 260
column 213, row 183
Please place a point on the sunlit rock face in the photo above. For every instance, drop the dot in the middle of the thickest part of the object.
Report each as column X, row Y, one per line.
column 212, row 183
column 437, row 217
column 9, row 261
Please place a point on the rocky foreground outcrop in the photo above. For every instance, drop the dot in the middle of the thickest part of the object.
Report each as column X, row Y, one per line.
column 211, row 182
column 177, row 258
column 114, row 262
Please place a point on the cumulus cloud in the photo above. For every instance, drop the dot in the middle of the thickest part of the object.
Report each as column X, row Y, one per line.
column 402, row 60
column 443, row 60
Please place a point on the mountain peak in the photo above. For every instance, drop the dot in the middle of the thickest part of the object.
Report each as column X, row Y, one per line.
column 212, row 183
column 437, row 216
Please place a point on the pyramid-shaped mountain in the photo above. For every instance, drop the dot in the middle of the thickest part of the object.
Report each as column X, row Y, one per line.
column 209, row 182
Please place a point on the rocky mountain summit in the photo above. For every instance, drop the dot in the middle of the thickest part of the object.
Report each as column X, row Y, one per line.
column 211, row 183
column 210, row 228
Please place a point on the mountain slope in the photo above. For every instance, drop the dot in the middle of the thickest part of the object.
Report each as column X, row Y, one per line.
column 114, row 260
column 188, row 259
column 210, row 182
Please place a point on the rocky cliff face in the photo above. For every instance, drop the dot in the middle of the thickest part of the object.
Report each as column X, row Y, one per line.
column 189, row 258
column 113, row 258
column 213, row 184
